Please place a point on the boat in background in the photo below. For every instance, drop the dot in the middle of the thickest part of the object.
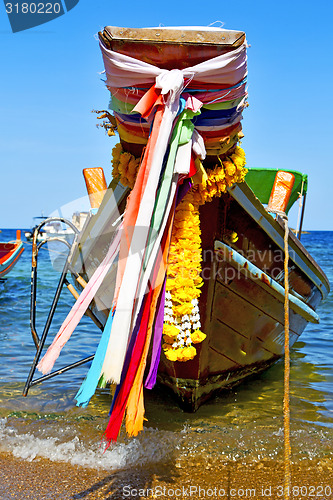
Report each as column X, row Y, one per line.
column 30, row 232
column 55, row 229
column 10, row 252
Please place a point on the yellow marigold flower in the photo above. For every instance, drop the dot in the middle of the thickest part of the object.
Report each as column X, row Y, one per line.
column 198, row 281
column 185, row 257
column 219, row 173
column 173, row 252
column 182, row 296
column 133, row 166
column 124, row 165
column 187, row 353
column 170, row 330
column 230, row 168
column 230, row 180
column 189, row 290
column 197, row 336
column 115, row 172
column 116, row 152
column 240, row 152
column 189, row 235
column 170, row 284
column 172, row 272
column 239, row 162
column 196, row 293
column 198, row 198
column 124, row 161
column 182, row 282
column 196, row 258
column 182, row 214
column 171, row 354
column 242, row 174
column 179, row 224
column 213, row 190
column 180, row 355
column 123, row 179
column 182, row 309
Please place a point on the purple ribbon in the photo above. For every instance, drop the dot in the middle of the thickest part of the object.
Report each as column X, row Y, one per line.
column 158, row 329
column 157, row 341
column 183, row 190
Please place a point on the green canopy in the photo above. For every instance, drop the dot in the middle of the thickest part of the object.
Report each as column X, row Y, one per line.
column 261, row 181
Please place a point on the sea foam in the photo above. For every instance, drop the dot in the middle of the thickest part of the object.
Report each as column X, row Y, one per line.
column 145, row 449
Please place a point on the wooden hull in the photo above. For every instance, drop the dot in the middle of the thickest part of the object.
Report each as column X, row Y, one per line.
column 9, row 255
column 245, row 335
column 242, row 305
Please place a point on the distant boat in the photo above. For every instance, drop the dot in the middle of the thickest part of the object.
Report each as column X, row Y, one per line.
column 55, row 229
column 10, row 252
column 30, row 232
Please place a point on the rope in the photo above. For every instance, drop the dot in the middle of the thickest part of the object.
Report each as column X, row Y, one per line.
column 286, row 398
column 286, row 395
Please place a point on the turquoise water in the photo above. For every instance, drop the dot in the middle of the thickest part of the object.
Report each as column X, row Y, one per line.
column 244, row 424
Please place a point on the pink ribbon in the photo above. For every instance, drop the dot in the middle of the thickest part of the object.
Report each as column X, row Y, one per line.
column 80, row 307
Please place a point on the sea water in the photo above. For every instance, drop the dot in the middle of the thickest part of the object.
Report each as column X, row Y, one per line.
column 245, row 424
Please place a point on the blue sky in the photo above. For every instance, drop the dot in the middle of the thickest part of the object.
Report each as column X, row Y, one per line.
column 50, row 82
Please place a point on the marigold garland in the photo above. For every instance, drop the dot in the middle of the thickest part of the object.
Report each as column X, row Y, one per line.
column 181, row 314
column 231, row 170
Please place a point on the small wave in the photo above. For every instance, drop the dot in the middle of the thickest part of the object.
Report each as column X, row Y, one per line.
column 142, row 450
column 79, row 444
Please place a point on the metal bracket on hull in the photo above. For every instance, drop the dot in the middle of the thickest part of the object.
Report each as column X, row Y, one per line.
column 254, row 273
column 39, row 341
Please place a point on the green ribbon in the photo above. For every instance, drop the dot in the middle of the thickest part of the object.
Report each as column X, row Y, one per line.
column 120, row 106
column 224, row 105
column 181, row 135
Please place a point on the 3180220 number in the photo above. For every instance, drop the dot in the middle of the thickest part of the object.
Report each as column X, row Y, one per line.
column 33, row 8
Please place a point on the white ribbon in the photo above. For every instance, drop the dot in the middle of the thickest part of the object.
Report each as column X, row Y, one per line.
column 170, row 81
column 198, row 145
column 125, row 71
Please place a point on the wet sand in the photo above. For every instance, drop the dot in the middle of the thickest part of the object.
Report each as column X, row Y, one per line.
column 47, row 480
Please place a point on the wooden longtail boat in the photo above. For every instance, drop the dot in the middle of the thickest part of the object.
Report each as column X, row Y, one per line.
column 229, row 278
column 10, row 253
column 242, row 299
